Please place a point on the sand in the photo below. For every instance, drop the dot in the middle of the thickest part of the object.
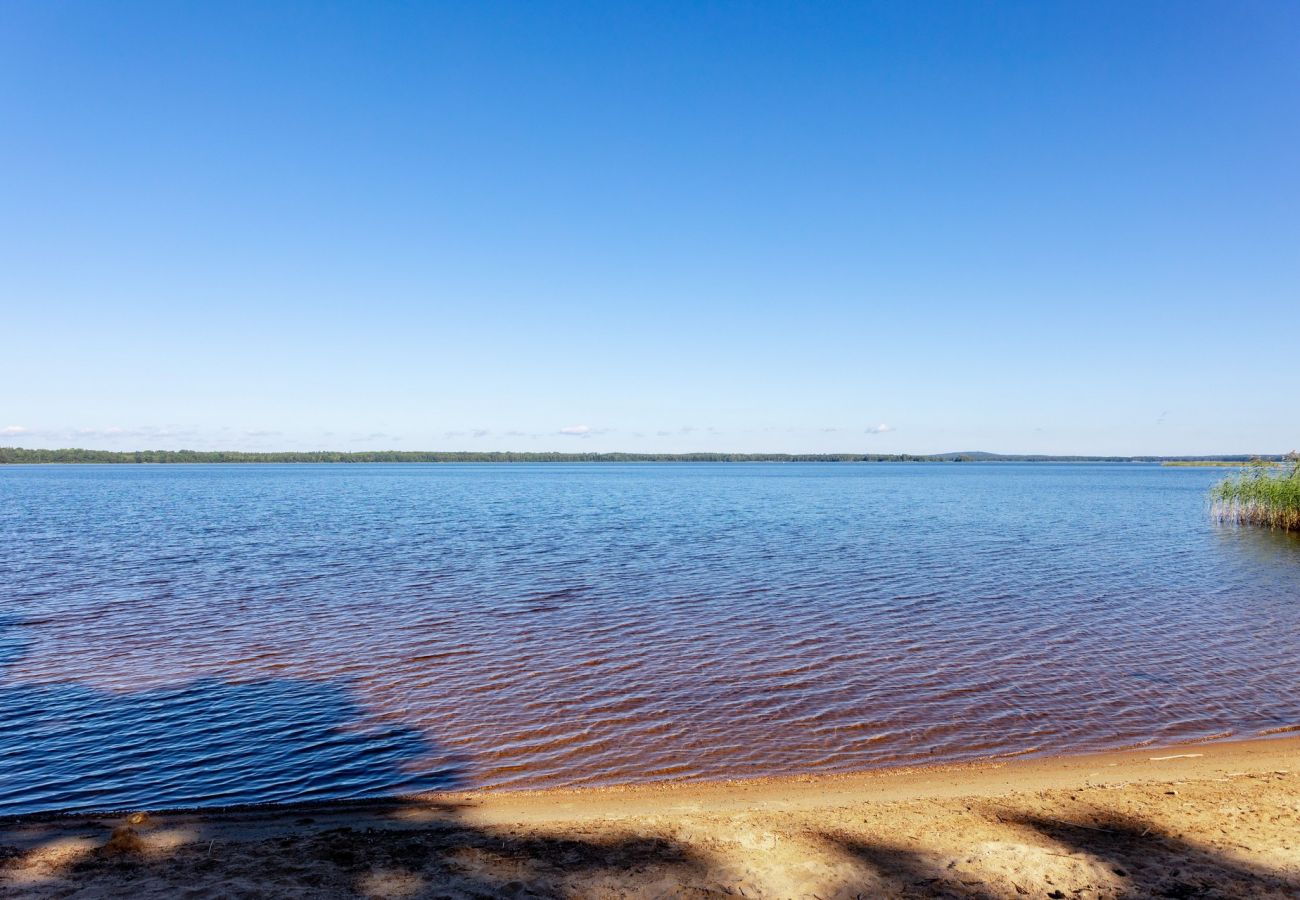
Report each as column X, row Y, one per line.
column 1210, row 820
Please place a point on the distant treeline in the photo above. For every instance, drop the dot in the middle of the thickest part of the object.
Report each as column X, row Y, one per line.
column 12, row 455
column 20, row 455
column 1267, row 462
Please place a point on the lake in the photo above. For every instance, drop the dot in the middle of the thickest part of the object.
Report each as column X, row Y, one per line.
column 203, row 635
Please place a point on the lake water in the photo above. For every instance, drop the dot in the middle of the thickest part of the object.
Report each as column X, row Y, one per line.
column 223, row 634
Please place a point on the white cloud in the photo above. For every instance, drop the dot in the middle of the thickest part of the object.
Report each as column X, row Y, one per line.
column 576, row 430
column 13, row 429
column 882, row 428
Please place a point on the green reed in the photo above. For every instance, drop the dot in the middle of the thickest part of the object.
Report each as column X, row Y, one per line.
column 1261, row 495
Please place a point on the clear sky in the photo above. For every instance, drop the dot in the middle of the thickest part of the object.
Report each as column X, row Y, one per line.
column 879, row 227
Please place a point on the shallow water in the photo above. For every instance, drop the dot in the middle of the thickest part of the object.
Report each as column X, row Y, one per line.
column 222, row 634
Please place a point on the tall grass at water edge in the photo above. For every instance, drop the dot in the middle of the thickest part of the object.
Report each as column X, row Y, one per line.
column 1261, row 495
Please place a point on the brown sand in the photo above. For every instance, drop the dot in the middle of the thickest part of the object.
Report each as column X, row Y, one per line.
column 1213, row 820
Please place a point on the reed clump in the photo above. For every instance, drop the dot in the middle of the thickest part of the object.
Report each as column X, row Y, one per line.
column 1261, row 495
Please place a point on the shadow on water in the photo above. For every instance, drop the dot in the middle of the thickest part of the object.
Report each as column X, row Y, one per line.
column 65, row 746
column 69, row 748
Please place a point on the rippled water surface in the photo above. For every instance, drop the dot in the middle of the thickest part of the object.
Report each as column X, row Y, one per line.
column 219, row 634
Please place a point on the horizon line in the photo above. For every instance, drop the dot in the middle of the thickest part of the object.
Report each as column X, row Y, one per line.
column 13, row 454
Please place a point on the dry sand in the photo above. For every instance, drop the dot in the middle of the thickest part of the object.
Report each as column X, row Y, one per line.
column 1215, row 820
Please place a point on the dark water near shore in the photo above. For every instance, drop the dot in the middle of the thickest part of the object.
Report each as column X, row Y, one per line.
column 221, row 634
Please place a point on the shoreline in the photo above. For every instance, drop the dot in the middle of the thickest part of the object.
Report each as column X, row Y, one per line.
column 1222, row 817
column 895, row 782
column 789, row 783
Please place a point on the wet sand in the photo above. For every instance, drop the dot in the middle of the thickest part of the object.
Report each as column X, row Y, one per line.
column 1191, row 820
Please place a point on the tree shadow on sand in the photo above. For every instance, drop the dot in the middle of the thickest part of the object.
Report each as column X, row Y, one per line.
column 449, row 858
column 1127, row 858
column 1153, row 862
column 899, row 871
column 307, row 852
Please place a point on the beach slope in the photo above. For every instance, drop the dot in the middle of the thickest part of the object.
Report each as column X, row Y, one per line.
column 1193, row 820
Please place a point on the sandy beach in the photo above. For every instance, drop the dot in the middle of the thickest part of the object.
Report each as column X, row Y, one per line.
column 1214, row 820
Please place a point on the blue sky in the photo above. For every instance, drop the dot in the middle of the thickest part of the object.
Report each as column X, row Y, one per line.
column 1037, row 227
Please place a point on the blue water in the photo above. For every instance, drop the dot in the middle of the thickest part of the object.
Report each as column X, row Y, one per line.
column 204, row 635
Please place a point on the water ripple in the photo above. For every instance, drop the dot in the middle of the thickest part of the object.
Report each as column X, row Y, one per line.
column 202, row 635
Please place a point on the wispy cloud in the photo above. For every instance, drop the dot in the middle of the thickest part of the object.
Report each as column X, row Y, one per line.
column 117, row 431
column 14, row 429
column 686, row 430
column 882, row 428
column 576, row 430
